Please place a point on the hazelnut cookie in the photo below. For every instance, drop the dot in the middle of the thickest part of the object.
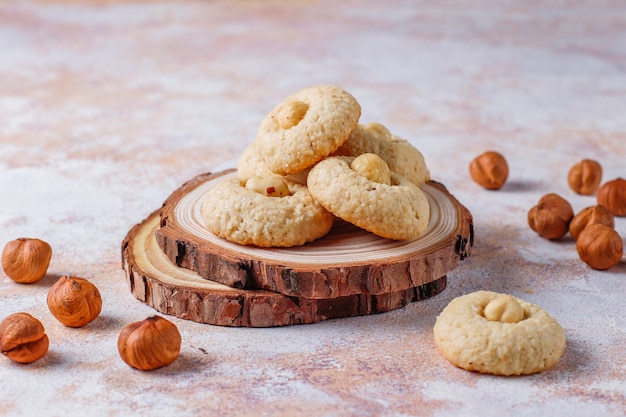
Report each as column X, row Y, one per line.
column 498, row 334
column 306, row 127
column 264, row 211
column 358, row 193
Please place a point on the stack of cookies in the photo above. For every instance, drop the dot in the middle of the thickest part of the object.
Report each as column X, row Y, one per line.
column 311, row 162
column 323, row 218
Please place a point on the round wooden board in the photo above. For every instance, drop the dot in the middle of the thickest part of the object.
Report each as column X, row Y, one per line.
column 348, row 261
column 180, row 292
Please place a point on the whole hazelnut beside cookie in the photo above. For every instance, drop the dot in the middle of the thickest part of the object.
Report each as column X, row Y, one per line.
column 23, row 338
column 600, row 246
column 74, row 301
column 149, row 344
column 551, row 216
column 490, row 170
column 26, row 260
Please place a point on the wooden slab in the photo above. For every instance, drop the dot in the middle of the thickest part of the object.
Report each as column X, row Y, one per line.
column 348, row 261
column 180, row 292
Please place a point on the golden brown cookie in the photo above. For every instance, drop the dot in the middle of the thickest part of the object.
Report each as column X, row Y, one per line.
column 399, row 210
column 402, row 157
column 263, row 217
column 498, row 334
column 306, row 127
column 251, row 164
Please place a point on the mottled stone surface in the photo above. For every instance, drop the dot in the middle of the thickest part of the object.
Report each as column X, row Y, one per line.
column 107, row 107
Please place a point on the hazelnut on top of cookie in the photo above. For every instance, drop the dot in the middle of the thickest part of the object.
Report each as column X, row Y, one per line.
column 402, row 158
column 372, row 167
column 271, row 186
column 266, row 212
column 505, row 309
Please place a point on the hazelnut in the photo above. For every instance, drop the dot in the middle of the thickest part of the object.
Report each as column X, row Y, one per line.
column 149, row 344
column 505, row 309
column 551, row 216
column 490, row 170
column 74, row 301
column 372, row 167
column 600, row 246
column 23, row 338
column 26, row 260
column 585, row 176
column 612, row 195
column 273, row 186
column 588, row 216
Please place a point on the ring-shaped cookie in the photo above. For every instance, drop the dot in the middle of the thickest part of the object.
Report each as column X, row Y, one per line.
column 306, row 127
column 470, row 341
column 247, row 217
column 403, row 158
column 398, row 211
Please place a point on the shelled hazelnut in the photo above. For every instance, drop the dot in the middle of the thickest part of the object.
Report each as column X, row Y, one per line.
column 590, row 215
column 74, row 301
column 372, row 167
column 551, row 216
column 585, row 177
column 612, row 195
column 23, row 338
column 600, row 246
column 149, row 344
column 490, row 170
column 272, row 186
column 26, row 260
column 505, row 309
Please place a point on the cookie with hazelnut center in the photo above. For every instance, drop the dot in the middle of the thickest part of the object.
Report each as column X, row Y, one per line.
column 498, row 334
column 265, row 211
column 394, row 208
column 306, row 127
column 402, row 158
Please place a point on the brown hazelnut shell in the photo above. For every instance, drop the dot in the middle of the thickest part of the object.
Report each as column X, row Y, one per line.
column 600, row 246
column 612, row 195
column 23, row 338
column 585, row 177
column 149, row 344
column 590, row 215
column 26, row 260
column 74, row 301
column 490, row 170
column 551, row 216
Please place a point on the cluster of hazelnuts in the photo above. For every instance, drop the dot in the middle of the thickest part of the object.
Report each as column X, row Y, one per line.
column 75, row 302
column 593, row 228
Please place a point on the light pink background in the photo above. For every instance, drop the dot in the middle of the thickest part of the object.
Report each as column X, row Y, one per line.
column 107, row 107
